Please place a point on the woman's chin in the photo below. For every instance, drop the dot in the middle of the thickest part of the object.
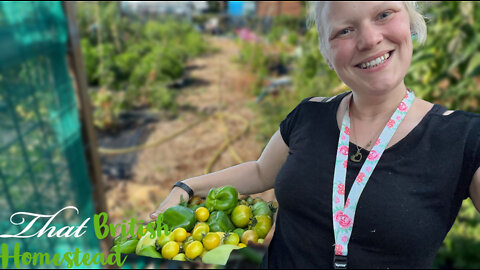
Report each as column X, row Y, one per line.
column 379, row 85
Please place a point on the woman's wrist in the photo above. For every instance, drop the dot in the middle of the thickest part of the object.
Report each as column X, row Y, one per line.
column 177, row 191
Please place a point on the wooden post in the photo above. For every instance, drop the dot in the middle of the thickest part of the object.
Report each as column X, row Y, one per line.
column 89, row 135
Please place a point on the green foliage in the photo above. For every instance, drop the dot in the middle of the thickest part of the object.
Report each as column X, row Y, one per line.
column 461, row 247
column 136, row 58
column 446, row 69
column 286, row 27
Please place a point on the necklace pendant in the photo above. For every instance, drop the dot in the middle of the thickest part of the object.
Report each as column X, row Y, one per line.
column 357, row 157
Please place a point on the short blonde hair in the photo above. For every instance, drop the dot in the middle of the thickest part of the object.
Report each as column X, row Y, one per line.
column 418, row 26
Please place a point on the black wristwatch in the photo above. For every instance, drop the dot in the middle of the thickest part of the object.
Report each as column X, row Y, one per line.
column 184, row 186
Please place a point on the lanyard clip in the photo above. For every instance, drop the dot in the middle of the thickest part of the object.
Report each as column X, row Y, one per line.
column 339, row 262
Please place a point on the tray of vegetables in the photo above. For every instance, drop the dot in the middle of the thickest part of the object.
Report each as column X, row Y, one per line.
column 203, row 229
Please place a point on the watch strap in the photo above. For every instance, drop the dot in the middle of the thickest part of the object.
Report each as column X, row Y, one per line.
column 185, row 187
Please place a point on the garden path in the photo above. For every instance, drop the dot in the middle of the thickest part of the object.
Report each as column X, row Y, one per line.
column 222, row 84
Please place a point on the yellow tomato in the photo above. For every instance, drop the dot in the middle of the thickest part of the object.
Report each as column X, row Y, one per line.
column 202, row 214
column 241, row 245
column 241, row 215
column 232, row 239
column 180, row 234
column 201, row 224
column 194, row 250
column 200, row 232
column 211, row 241
column 249, row 235
column 170, row 250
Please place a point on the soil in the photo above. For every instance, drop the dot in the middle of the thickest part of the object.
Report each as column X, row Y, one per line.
column 222, row 86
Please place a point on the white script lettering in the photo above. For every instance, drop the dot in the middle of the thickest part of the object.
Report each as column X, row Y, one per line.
column 65, row 231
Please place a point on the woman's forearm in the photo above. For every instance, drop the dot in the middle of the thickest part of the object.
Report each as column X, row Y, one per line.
column 245, row 177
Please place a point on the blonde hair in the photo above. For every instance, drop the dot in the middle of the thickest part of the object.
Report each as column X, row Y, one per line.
column 418, row 26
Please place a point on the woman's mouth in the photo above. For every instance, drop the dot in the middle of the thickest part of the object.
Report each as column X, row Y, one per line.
column 376, row 62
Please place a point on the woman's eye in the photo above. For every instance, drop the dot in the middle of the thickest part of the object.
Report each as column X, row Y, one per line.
column 343, row 32
column 384, row 14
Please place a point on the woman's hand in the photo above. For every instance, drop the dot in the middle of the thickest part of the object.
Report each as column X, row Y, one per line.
column 172, row 199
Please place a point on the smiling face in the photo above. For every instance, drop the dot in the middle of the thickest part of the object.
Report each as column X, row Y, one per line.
column 368, row 44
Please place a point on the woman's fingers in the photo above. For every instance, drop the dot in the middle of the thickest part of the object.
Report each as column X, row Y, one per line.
column 154, row 215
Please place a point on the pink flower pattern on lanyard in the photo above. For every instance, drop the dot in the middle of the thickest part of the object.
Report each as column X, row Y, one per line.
column 360, row 177
column 391, row 123
column 344, row 215
column 402, row 107
column 344, row 220
column 341, row 189
column 338, row 249
column 373, row 155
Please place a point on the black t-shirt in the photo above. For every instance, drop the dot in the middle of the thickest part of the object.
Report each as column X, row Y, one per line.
column 405, row 211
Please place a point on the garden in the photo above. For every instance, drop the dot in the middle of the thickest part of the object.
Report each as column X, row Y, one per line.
column 164, row 70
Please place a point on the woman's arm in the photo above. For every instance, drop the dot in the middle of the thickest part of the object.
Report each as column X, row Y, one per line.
column 248, row 177
column 475, row 190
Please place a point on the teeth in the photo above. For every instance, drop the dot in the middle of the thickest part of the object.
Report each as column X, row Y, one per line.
column 375, row 62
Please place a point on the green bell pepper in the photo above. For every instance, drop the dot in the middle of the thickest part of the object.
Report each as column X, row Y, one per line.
column 220, row 222
column 222, row 199
column 179, row 216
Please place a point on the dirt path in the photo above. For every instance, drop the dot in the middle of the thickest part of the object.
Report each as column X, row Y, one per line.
column 225, row 85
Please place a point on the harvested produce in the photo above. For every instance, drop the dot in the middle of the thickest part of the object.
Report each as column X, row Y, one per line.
column 202, row 229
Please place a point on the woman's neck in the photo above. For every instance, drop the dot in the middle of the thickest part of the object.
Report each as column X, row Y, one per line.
column 373, row 107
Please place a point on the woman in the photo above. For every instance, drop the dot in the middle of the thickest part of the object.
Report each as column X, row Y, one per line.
column 419, row 160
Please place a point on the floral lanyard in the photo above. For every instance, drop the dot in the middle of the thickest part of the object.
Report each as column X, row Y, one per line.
column 344, row 213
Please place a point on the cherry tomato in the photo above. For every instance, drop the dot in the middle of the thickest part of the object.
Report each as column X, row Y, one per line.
column 263, row 225
column 232, row 239
column 211, row 241
column 202, row 214
column 201, row 224
column 180, row 234
column 241, row 215
column 170, row 250
column 249, row 235
column 200, row 232
column 194, row 250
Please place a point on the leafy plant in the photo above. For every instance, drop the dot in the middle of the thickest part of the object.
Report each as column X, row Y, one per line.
column 134, row 60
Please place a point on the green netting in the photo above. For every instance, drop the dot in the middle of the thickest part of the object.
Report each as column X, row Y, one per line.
column 42, row 162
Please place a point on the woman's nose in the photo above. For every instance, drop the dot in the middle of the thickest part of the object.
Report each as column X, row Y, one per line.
column 369, row 37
